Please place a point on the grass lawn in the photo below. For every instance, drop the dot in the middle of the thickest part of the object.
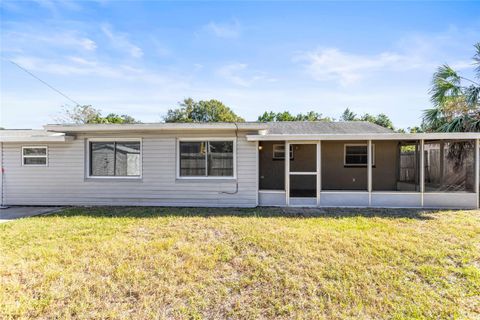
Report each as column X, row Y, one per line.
column 144, row 263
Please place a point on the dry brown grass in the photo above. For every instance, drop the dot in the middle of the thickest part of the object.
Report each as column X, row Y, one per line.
column 144, row 263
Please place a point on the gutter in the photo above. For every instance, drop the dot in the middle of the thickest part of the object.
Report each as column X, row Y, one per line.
column 365, row 136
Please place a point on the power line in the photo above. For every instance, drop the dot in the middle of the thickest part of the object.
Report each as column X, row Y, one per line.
column 45, row 83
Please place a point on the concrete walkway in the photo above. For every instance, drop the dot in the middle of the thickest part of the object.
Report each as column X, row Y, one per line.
column 13, row 213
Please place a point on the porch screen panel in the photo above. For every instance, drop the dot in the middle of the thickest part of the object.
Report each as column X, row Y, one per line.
column 271, row 167
column 304, row 158
column 220, row 158
column 396, row 166
column 303, row 186
column 450, row 166
column 102, row 158
column 193, row 159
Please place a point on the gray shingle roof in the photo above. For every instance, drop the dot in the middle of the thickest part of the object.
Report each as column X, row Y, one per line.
column 321, row 127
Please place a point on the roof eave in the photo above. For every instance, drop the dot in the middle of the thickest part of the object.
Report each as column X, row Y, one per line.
column 365, row 136
column 153, row 127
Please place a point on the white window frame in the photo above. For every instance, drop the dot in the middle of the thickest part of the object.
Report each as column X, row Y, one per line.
column 35, row 156
column 87, row 158
column 196, row 139
column 276, row 145
column 357, row 145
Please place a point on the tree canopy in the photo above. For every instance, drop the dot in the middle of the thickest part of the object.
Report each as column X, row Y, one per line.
column 201, row 111
column 381, row 119
column 455, row 99
column 88, row 114
column 270, row 116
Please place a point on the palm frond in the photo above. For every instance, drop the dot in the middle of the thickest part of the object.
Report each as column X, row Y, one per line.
column 476, row 59
column 446, row 83
column 472, row 96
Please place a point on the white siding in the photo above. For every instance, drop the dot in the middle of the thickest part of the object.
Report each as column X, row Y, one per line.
column 64, row 182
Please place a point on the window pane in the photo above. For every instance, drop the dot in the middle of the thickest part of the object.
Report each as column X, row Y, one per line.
column 356, row 150
column 220, row 159
column 35, row 161
column 34, row 151
column 102, row 160
column 449, row 166
column 356, row 155
column 192, row 159
column 127, row 159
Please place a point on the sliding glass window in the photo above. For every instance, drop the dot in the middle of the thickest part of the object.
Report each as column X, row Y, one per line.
column 206, row 159
column 115, row 159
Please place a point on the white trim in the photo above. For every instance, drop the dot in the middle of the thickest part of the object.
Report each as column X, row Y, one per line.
column 87, row 158
column 319, row 171
column 205, row 139
column 370, row 163
column 257, row 172
column 345, row 145
column 302, row 173
column 477, row 171
column 366, row 136
column 270, row 191
column 35, row 156
column 287, row 176
column 422, row 169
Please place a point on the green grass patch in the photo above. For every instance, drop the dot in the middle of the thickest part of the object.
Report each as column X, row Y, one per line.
column 164, row 263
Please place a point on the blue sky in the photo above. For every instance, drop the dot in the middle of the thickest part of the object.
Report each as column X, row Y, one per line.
column 141, row 58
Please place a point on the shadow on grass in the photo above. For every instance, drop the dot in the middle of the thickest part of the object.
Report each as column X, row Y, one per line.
column 267, row 212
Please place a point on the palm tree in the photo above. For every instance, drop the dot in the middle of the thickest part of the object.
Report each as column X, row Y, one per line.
column 456, row 100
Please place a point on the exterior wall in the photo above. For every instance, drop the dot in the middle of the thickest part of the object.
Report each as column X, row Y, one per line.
column 64, row 182
column 337, row 176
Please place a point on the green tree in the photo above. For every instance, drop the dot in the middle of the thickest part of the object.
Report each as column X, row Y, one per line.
column 348, row 115
column 201, row 111
column 455, row 99
column 88, row 114
column 115, row 118
column 381, row 119
column 270, row 116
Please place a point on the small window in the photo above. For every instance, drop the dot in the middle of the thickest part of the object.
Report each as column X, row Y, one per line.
column 279, row 151
column 34, row 156
column 115, row 159
column 206, row 159
column 357, row 155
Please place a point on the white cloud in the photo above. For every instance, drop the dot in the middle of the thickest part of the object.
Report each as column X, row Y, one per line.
column 224, row 30
column 29, row 38
column 346, row 68
column 120, row 40
column 237, row 73
column 79, row 66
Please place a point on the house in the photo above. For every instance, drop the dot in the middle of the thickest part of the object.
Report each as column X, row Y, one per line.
column 348, row 164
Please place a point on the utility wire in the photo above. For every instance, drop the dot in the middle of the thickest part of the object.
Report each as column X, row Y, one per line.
column 45, row 83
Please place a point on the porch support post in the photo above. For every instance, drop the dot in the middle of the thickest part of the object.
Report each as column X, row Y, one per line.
column 369, row 171
column 287, row 173
column 257, row 169
column 319, row 171
column 422, row 170
column 477, row 171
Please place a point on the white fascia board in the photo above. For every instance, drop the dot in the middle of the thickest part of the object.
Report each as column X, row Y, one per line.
column 154, row 126
column 50, row 138
column 369, row 136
